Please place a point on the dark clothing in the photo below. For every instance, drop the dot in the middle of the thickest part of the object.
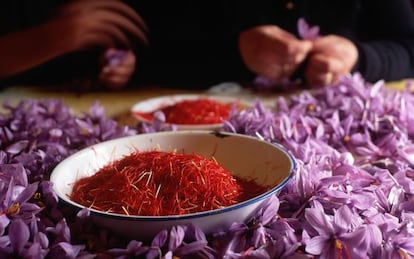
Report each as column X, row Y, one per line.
column 383, row 30
column 195, row 43
column 18, row 15
column 191, row 43
column 188, row 45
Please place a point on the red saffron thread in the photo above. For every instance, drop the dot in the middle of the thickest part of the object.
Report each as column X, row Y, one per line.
column 193, row 112
column 156, row 183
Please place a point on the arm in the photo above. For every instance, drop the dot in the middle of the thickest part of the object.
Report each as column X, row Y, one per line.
column 377, row 40
column 26, row 49
column 78, row 25
column 381, row 32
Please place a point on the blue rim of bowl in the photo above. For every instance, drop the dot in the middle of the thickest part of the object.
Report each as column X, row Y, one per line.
column 201, row 214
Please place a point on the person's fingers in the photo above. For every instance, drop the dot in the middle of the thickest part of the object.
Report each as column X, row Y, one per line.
column 113, row 25
column 304, row 48
column 110, row 11
column 274, row 32
column 126, row 11
column 104, row 18
column 131, row 18
column 129, row 60
column 121, row 71
column 119, row 39
column 324, row 63
column 113, row 80
column 320, row 79
column 116, row 74
column 323, row 70
column 320, row 44
column 119, row 59
column 96, row 39
column 272, row 52
column 294, row 55
column 106, row 36
column 329, row 78
column 339, row 47
column 125, row 25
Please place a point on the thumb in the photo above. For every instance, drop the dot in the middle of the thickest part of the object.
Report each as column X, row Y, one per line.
column 303, row 50
column 307, row 46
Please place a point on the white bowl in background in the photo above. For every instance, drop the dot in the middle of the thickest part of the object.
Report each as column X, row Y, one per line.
column 157, row 103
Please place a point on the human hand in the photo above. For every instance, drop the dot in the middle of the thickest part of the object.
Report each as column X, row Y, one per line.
column 331, row 57
column 118, row 67
column 98, row 23
column 272, row 52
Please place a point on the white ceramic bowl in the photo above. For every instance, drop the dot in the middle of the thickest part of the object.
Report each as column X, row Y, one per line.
column 157, row 103
column 244, row 156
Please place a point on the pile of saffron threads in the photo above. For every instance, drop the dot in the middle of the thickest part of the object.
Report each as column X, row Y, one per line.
column 157, row 183
column 194, row 112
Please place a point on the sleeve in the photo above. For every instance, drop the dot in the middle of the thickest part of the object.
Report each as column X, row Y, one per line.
column 386, row 45
column 18, row 15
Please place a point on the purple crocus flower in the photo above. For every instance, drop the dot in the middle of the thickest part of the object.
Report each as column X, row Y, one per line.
column 158, row 124
column 195, row 244
column 397, row 243
column 19, row 235
column 65, row 250
column 352, row 194
column 15, row 203
column 133, row 249
column 334, row 236
column 186, row 241
column 115, row 57
column 306, row 31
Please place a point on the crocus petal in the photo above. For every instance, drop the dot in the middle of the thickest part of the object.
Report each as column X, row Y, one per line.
column 176, row 237
column 19, row 235
column 27, row 193
column 372, row 238
column 66, row 250
column 16, row 171
column 159, row 241
column 5, row 248
column 317, row 244
column 306, row 31
column 319, row 221
column 345, row 218
column 17, row 147
column 4, row 222
column 191, row 248
column 136, row 248
column 34, row 252
column 269, row 210
column 41, row 239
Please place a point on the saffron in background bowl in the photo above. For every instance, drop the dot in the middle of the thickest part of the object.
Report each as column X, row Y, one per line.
column 188, row 111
